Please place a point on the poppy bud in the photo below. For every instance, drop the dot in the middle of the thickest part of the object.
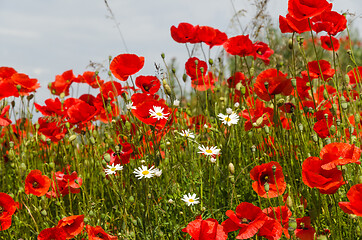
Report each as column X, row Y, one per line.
column 250, row 134
column 184, row 77
column 43, row 138
column 231, row 168
column 300, row 126
column 173, row 70
column 266, row 129
column 232, row 178
column 202, row 69
column 344, row 105
column 167, row 89
column 72, row 138
column 353, row 139
column 92, row 140
column 252, row 71
column 315, row 138
column 266, row 84
column 327, row 141
column 44, row 212
column 211, row 61
column 280, row 102
column 266, row 187
column 62, row 95
column 274, row 168
column 292, row 224
column 294, row 82
column 290, row 43
column 332, row 129
column 338, row 121
column 163, row 55
column 289, row 202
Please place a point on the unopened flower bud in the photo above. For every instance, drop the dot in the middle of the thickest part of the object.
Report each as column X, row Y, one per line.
column 231, row 168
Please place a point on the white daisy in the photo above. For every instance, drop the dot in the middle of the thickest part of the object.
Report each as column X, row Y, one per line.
column 111, row 169
column 157, row 172
column 209, row 150
column 187, row 133
column 144, row 172
column 190, row 199
column 232, row 118
column 157, row 112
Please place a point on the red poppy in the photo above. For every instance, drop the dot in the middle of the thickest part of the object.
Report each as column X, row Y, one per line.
column 97, row 233
column 185, row 32
column 148, row 84
column 240, row 45
column 204, row 82
column 53, row 107
column 289, row 24
column 314, row 176
column 8, row 89
column 6, row 72
column 78, row 111
column 52, row 233
column 325, row 71
column 210, row 36
column 111, row 89
column 303, row 9
column 53, row 130
column 72, row 225
column 7, row 208
column 355, row 75
column 26, row 84
column 122, row 156
column 271, row 229
column 62, row 83
column 263, row 52
column 36, row 183
column 247, row 218
column 258, row 115
column 338, row 154
column 354, row 206
column 328, row 45
column 324, row 123
column 271, row 82
column 4, row 121
column 330, row 22
column 91, row 78
column 125, row 65
column 193, row 68
column 303, row 88
column 265, row 174
column 304, row 230
column 65, row 183
column 282, row 215
column 205, row 229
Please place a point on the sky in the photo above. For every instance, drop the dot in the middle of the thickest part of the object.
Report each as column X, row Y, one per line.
column 44, row 38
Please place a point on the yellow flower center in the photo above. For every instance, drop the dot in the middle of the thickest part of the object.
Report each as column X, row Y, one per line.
column 113, row 169
column 208, row 151
column 159, row 114
column 227, row 119
column 145, row 172
column 191, row 200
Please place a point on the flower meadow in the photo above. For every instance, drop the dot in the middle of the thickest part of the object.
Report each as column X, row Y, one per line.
column 262, row 141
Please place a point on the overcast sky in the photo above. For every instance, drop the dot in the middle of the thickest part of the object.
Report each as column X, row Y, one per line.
column 44, row 38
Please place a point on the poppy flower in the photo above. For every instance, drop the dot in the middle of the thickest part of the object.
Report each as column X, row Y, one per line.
column 355, row 75
column 52, row 233
column 8, row 89
column 62, row 83
column 122, row 156
column 289, row 24
column 268, row 173
column 240, row 45
column 53, row 130
column 205, row 229
column 324, row 123
column 64, row 183
column 90, row 78
column 325, row 72
column 210, row 36
column 193, row 68
column 7, row 208
column 282, row 215
column 53, row 107
column 36, row 183
column 271, row 229
column 328, row 45
column 303, row 88
column 304, row 230
column 247, row 218
column 204, row 82
column 330, row 22
column 271, row 82
column 263, row 52
column 303, row 9
column 148, row 84
column 96, row 233
column 6, row 72
column 314, row 176
column 185, row 32
column 354, row 206
column 125, row 65
column 72, row 225
column 258, row 115
column 4, row 121
column 26, row 84
column 78, row 111
column 338, row 154
column 111, row 89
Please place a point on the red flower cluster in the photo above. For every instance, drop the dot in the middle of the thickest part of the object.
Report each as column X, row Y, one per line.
column 67, row 228
column 205, row 229
column 187, row 33
column 64, row 183
column 7, row 209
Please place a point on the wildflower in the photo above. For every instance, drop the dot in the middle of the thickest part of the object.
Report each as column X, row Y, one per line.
column 157, row 112
column 237, row 104
column 354, row 205
column 98, row 233
column 72, row 225
column 170, row 201
column 8, row 207
column 205, row 229
column 125, row 65
column 187, row 133
column 111, row 169
column 209, row 150
column 36, row 183
column 190, row 199
column 157, row 172
column 148, row 84
column 230, row 119
column 229, row 111
column 144, row 172
column 176, row 103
